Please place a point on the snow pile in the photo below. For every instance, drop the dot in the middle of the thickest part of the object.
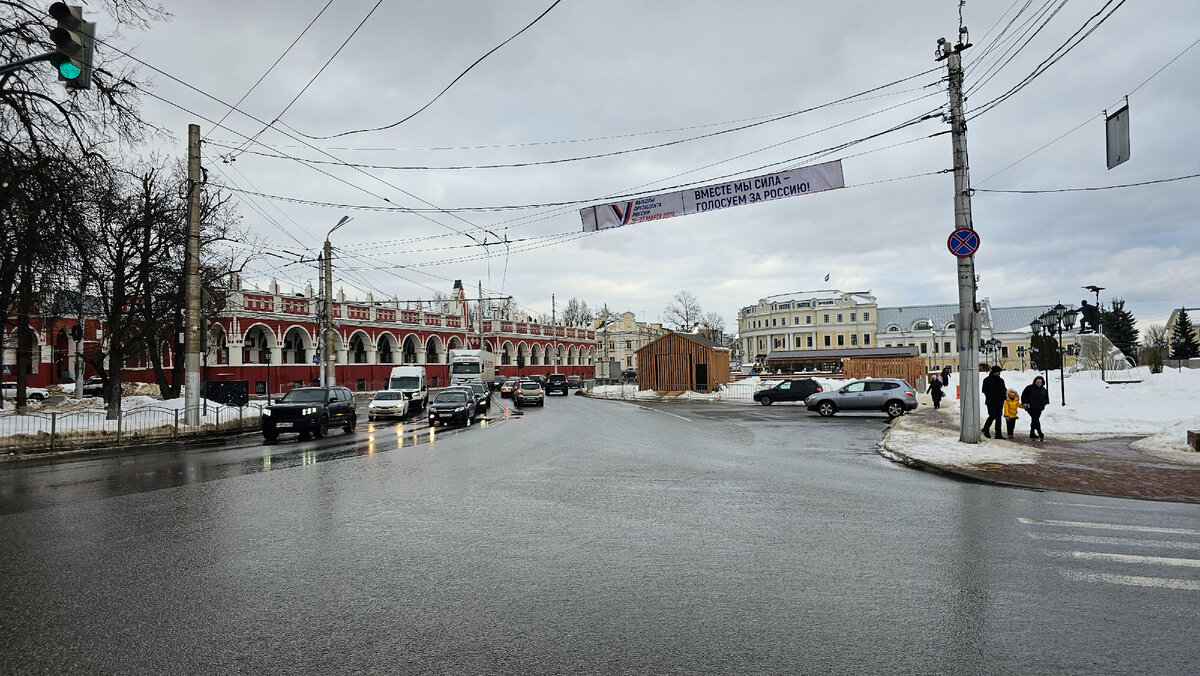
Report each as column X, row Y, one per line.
column 1162, row 407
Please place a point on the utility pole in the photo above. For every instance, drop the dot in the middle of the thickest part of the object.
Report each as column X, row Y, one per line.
column 320, row 319
column 191, row 271
column 966, row 322
column 554, row 328
column 330, row 357
column 480, row 313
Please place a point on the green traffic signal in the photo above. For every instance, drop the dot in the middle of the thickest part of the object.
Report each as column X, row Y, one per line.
column 74, row 41
column 65, row 67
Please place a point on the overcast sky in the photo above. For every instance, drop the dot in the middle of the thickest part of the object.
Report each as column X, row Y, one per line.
column 598, row 77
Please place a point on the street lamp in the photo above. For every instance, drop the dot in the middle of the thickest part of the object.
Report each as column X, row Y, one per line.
column 1176, row 343
column 1057, row 318
column 329, row 372
column 933, row 348
column 1021, row 354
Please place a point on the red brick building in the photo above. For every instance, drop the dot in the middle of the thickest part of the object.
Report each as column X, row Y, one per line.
column 270, row 339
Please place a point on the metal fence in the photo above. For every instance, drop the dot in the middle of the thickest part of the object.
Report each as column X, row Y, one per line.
column 732, row 392
column 54, row 431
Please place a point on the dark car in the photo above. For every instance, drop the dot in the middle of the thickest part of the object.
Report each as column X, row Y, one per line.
column 93, row 387
column 797, row 389
column 556, row 382
column 575, row 381
column 539, row 379
column 483, row 394
column 452, row 405
column 893, row 396
column 629, row 374
column 310, row 410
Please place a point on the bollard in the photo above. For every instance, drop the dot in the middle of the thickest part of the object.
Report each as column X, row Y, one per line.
column 958, row 391
column 176, row 437
column 53, row 428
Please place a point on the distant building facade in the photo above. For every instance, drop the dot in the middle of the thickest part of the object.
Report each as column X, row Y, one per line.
column 620, row 337
column 807, row 320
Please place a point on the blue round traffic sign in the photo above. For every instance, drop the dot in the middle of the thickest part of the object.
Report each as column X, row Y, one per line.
column 963, row 242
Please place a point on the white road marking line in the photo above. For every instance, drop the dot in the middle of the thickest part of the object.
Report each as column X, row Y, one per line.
column 1080, row 504
column 1126, row 558
column 1133, row 580
column 1109, row 526
column 647, row 408
column 1097, row 540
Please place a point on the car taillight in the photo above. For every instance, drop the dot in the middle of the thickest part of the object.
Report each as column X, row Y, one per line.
column 910, row 394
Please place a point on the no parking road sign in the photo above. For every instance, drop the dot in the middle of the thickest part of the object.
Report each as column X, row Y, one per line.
column 963, row 242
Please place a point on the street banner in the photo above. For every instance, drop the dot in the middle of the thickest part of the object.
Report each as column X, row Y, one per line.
column 802, row 181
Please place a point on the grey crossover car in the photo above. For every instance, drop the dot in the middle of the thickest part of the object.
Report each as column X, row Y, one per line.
column 893, row 396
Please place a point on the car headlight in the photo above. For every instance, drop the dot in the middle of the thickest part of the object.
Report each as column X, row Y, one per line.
column 460, row 409
column 266, row 412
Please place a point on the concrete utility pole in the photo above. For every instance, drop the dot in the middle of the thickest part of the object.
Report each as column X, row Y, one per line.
column 554, row 328
column 330, row 354
column 191, row 272
column 966, row 322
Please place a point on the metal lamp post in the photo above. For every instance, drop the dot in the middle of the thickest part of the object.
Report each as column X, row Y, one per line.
column 329, row 358
column 1021, row 354
column 1176, row 343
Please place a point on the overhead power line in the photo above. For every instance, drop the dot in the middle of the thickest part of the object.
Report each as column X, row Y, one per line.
column 1094, row 188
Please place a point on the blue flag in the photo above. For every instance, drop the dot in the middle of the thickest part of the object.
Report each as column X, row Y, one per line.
column 827, row 277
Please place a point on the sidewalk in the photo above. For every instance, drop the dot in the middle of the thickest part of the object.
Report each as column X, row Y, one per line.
column 928, row 439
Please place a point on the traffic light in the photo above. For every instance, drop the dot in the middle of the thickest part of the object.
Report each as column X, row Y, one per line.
column 74, row 41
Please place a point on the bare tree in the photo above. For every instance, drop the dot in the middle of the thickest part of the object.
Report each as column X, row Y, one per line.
column 683, row 312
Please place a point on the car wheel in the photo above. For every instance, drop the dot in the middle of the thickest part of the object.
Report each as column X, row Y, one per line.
column 270, row 435
column 322, row 428
column 894, row 408
column 826, row 409
column 765, row 401
column 349, row 427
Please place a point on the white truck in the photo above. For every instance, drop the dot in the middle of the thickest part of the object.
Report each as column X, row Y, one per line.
column 468, row 365
column 412, row 382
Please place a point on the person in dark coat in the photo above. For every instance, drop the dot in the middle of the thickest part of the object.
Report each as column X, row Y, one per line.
column 946, row 375
column 935, row 389
column 994, row 393
column 1035, row 399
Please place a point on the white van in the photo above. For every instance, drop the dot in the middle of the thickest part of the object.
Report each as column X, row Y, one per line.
column 412, row 382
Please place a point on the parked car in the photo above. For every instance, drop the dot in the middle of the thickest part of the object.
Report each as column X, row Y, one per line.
column 31, row 393
column 893, row 396
column 530, row 392
column 389, row 404
column 92, row 387
column 454, row 404
column 575, row 381
column 508, row 386
column 796, row 389
column 483, row 395
column 556, row 382
column 629, row 374
column 310, row 410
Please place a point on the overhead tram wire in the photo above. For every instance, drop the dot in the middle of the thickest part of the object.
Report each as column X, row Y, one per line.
column 314, row 168
column 269, row 69
column 439, row 95
column 1005, row 41
column 1094, row 188
column 1055, row 56
column 594, row 156
column 318, row 73
column 995, row 69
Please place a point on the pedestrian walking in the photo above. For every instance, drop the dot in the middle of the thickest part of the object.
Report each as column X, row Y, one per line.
column 994, row 393
column 946, row 375
column 1035, row 399
column 935, row 389
column 1011, row 405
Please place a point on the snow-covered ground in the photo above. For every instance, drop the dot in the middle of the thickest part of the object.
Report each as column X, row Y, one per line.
column 1161, row 408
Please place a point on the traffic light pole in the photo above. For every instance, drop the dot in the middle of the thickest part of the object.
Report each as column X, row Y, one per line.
column 191, row 330
column 966, row 322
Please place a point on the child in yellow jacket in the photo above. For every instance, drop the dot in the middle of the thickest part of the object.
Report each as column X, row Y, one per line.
column 1011, row 405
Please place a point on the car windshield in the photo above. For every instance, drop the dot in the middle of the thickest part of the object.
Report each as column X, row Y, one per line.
column 404, row 383
column 467, row 368
column 455, row 397
column 383, row 396
column 302, row 396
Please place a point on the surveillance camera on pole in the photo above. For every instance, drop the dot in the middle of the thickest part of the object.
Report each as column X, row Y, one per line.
column 74, row 41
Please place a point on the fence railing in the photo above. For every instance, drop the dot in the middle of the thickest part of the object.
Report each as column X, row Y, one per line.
column 55, row 431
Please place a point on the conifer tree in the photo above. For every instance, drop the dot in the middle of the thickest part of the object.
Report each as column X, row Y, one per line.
column 1121, row 328
column 1183, row 339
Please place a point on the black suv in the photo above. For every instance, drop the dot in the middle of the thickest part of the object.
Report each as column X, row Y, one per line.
column 310, row 410
column 797, row 389
column 556, row 382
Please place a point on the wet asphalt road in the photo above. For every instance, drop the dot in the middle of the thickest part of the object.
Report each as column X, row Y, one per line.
column 587, row 537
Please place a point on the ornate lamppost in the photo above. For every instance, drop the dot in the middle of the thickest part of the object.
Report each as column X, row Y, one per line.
column 1057, row 318
column 1021, row 354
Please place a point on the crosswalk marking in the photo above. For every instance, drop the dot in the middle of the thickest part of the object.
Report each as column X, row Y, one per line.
column 1133, row 580
column 1098, row 540
column 1109, row 526
column 1127, row 558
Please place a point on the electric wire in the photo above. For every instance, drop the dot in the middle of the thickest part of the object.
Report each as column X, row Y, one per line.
column 1094, row 188
column 439, row 95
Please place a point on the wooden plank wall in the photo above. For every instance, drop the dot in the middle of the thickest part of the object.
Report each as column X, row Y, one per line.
column 668, row 364
column 911, row 369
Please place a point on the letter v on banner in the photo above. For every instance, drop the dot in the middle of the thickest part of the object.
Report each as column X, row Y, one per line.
column 802, row 181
